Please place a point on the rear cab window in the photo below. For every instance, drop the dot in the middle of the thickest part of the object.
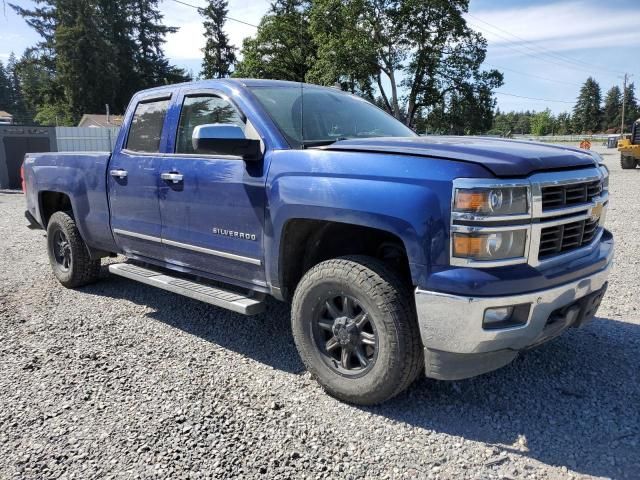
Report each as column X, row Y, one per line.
column 145, row 131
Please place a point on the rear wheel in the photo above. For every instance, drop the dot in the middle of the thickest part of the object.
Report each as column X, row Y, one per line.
column 627, row 162
column 68, row 254
column 356, row 331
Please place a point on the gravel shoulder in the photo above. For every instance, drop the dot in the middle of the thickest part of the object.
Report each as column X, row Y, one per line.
column 122, row 380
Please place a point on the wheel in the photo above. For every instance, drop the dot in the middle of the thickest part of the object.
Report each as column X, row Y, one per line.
column 627, row 162
column 355, row 327
column 68, row 254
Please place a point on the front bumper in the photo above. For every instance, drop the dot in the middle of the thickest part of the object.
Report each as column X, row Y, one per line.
column 457, row 346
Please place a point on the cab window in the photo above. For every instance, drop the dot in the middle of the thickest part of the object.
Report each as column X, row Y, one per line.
column 204, row 110
column 146, row 126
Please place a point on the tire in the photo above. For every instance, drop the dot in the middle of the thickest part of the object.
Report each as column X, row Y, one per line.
column 68, row 254
column 627, row 162
column 393, row 354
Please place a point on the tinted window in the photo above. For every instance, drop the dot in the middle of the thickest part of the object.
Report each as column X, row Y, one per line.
column 146, row 126
column 204, row 110
column 311, row 115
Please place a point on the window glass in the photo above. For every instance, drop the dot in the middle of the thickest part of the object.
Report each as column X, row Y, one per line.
column 310, row 116
column 146, row 126
column 204, row 110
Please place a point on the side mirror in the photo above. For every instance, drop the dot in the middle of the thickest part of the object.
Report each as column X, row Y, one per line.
column 225, row 139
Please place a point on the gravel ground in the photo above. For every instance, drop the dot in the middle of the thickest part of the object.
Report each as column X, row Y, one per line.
column 123, row 380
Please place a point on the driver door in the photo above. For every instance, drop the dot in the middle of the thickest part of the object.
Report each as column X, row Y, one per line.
column 211, row 205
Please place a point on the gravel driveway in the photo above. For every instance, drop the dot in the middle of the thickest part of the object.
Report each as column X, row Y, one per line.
column 122, row 380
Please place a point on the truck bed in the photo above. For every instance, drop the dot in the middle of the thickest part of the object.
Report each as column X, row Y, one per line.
column 81, row 177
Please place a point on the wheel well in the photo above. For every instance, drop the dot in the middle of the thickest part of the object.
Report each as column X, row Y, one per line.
column 305, row 243
column 52, row 202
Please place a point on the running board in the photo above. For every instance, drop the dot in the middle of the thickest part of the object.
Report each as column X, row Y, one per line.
column 247, row 305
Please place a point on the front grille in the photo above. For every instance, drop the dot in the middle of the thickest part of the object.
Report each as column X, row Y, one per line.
column 567, row 237
column 558, row 196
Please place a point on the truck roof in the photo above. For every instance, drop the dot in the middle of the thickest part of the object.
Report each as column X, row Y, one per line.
column 244, row 82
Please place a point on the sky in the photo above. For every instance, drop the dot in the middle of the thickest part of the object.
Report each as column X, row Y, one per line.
column 546, row 49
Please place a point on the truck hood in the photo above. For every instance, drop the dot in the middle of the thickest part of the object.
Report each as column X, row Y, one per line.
column 504, row 158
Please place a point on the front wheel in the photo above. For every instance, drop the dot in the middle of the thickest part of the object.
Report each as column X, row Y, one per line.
column 627, row 162
column 68, row 254
column 356, row 331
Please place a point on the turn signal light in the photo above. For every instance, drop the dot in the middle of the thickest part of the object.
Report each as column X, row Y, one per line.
column 471, row 201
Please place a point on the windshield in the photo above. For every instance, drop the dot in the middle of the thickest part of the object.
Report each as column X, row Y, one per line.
column 311, row 116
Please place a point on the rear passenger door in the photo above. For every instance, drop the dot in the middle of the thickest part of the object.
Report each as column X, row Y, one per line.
column 133, row 177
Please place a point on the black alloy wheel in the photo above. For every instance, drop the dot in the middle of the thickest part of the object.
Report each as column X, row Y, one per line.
column 345, row 336
column 62, row 250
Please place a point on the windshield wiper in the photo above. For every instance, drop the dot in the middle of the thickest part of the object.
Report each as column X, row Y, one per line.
column 321, row 143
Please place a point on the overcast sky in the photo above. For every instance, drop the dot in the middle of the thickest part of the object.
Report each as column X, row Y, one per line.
column 546, row 49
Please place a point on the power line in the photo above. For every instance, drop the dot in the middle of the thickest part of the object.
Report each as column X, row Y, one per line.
column 533, row 98
column 543, row 50
column 201, row 8
column 533, row 55
column 533, row 75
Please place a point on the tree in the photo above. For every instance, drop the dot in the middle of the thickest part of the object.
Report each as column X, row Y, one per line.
column 587, row 114
column 612, row 108
column 283, row 47
column 632, row 112
column 219, row 54
column 119, row 33
column 92, row 53
column 17, row 105
column 5, row 90
column 152, row 66
column 422, row 49
column 84, row 60
column 542, row 123
column 563, row 124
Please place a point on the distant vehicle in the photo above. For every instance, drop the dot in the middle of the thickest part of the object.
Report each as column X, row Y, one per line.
column 612, row 141
column 400, row 254
column 630, row 148
column 6, row 118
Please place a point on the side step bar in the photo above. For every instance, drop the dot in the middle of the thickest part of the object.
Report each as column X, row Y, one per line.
column 245, row 304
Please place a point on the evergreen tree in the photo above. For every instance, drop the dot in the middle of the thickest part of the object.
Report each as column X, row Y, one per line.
column 84, row 60
column 118, row 32
column 632, row 112
column 219, row 54
column 17, row 105
column 5, row 90
column 92, row 53
column 612, row 108
column 587, row 114
column 152, row 66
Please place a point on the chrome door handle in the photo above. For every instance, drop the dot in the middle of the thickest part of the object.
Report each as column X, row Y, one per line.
column 171, row 177
column 118, row 173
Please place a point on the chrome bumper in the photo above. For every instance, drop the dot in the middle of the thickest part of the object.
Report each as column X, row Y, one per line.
column 451, row 325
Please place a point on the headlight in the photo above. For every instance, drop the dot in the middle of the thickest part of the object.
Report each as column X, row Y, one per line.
column 490, row 246
column 491, row 201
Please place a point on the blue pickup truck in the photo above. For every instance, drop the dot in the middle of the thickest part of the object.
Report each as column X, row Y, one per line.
column 400, row 254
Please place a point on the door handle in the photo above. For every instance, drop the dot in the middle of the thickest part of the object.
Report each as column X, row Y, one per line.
column 118, row 173
column 171, row 177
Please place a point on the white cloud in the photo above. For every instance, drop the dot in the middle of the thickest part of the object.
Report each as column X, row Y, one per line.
column 187, row 42
column 557, row 27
